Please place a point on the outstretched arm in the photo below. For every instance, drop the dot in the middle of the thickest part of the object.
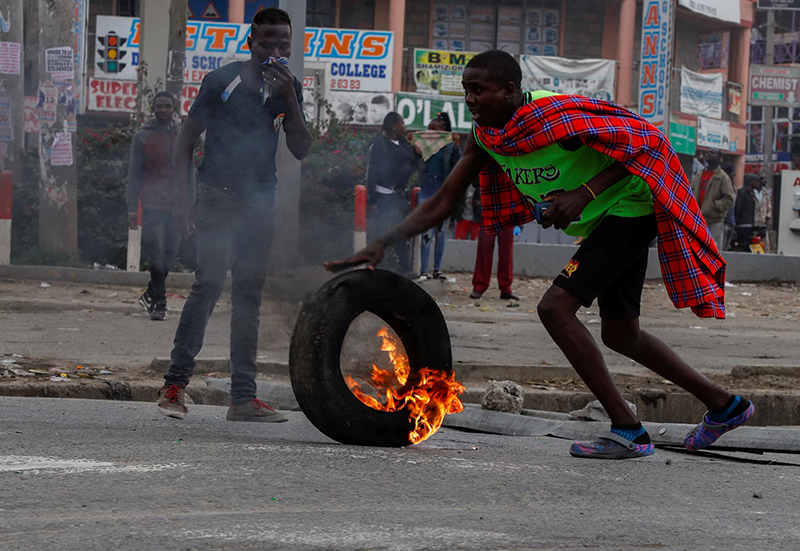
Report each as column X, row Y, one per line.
column 429, row 214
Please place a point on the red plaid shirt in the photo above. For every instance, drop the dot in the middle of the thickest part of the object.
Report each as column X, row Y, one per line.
column 693, row 270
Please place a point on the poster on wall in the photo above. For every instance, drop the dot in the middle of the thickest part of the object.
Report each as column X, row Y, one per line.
column 418, row 110
column 724, row 10
column 713, row 134
column 592, row 78
column 365, row 108
column 209, row 44
column 656, row 62
column 439, row 71
column 701, row 94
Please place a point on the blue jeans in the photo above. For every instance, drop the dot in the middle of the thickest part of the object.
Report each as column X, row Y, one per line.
column 434, row 234
column 160, row 242
column 392, row 208
column 228, row 228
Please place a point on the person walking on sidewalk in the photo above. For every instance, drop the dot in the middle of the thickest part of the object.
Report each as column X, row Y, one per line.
column 242, row 107
column 592, row 159
column 440, row 153
column 150, row 183
column 714, row 193
column 392, row 161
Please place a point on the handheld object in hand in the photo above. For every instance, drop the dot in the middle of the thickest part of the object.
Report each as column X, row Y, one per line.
column 541, row 207
column 266, row 91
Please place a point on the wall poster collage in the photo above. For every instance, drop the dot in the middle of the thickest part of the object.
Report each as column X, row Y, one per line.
column 529, row 30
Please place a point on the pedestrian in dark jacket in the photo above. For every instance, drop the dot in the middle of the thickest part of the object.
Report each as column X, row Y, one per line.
column 392, row 161
column 150, row 183
column 439, row 156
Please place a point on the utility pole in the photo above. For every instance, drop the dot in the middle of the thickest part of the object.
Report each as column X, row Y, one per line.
column 58, row 195
column 769, row 60
column 12, row 90
column 12, row 121
column 176, row 60
column 286, row 243
column 30, row 23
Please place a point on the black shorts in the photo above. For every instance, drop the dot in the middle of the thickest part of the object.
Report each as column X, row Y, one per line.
column 610, row 266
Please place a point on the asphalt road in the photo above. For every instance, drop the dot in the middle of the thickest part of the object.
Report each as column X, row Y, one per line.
column 97, row 475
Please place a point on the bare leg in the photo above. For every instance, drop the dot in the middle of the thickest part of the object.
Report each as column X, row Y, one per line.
column 625, row 336
column 557, row 311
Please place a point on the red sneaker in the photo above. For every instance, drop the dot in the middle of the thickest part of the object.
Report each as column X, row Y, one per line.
column 171, row 401
column 254, row 411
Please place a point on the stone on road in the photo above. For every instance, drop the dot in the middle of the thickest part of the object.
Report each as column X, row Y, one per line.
column 85, row 475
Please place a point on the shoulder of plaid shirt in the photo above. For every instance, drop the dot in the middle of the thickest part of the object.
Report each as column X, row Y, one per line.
column 693, row 269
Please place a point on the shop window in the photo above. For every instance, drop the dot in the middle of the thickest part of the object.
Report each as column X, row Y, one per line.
column 518, row 27
column 320, row 13
column 755, row 138
column 128, row 8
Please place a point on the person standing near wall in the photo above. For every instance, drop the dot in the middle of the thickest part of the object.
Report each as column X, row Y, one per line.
column 440, row 153
column 730, row 218
column 714, row 193
column 392, row 161
column 150, row 181
column 242, row 107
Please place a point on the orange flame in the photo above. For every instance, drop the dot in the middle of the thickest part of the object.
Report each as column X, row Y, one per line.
column 428, row 397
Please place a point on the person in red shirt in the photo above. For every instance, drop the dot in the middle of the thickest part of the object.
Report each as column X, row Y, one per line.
column 714, row 193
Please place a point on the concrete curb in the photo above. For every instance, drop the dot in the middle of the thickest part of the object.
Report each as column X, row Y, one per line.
column 293, row 286
column 540, row 260
column 653, row 406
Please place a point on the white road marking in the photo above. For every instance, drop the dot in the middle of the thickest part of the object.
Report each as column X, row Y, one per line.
column 37, row 464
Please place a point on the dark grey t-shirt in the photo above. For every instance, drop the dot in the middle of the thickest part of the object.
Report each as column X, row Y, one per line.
column 241, row 133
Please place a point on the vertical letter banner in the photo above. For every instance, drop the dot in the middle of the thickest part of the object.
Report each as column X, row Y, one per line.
column 655, row 68
column 701, row 94
column 592, row 78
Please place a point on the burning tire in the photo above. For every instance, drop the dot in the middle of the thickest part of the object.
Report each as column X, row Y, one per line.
column 314, row 357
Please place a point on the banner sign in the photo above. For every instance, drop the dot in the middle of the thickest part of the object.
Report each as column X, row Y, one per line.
column 774, row 86
column 368, row 108
column 724, row 10
column 734, row 101
column 592, row 78
column 682, row 136
column 701, row 94
column 656, row 62
column 439, row 71
column 362, row 56
column 120, row 96
column 779, row 4
column 714, row 134
column 418, row 110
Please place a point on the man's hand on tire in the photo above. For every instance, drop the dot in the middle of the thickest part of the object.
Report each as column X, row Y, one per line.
column 372, row 255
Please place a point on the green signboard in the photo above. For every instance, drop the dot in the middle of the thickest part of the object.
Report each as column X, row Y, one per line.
column 683, row 138
column 419, row 109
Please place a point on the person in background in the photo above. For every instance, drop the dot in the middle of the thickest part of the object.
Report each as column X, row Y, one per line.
column 714, row 193
column 242, row 107
column 730, row 218
column 468, row 226
column 484, row 260
column 392, row 161
column 440, row 153
column 150, row 182
column 753, row 208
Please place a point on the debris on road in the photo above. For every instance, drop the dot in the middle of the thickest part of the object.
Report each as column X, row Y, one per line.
column 505, row 396
column 594, row 411
column 44, row 285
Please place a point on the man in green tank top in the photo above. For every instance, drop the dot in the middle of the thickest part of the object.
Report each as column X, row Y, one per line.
column 618, row 221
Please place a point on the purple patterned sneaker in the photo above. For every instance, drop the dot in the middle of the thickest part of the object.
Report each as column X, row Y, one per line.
column 610, row 446
column 707, row 432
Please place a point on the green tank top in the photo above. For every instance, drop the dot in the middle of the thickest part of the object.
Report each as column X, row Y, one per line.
column 559, row 167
